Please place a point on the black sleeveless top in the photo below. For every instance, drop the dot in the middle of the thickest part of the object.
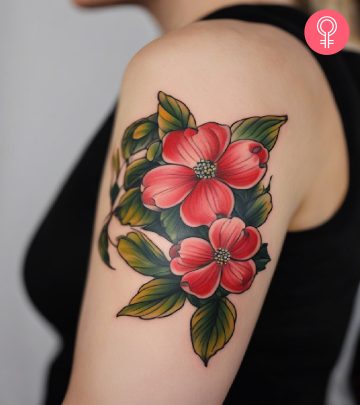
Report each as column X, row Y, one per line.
column 306, row 313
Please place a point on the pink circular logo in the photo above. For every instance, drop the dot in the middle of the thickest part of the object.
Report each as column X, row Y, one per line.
column 327, row 32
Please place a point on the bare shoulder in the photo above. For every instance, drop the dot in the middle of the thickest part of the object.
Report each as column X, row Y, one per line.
column 241, row 62
column 226, row 69
column 230, row 67
column 211, row 48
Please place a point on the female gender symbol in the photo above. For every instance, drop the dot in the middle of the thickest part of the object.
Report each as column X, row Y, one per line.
column 326, row 33
column 329, row 25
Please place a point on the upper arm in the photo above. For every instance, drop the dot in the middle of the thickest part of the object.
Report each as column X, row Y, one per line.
column 184, row 319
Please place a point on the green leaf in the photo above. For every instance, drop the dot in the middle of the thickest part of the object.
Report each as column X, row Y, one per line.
column 114, row 192
column 156, row 299
column 254, row 205
column 139, row 135
column 261, row 129
column 173, row 115
column 136, row 171
column 212, row 326
column 144, row 129
column 157, row 228
column 262, row 258
column 198, row 302
column 154, row 151
column 103, row 246
column 131, row 210
column 116, row 162
column 143, row 255
column 175, row 227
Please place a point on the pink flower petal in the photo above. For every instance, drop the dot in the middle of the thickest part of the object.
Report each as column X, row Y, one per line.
column 243, row 164
column 202, row 282
column 166, row 186
column 225, row 231
column 192, row 253
column 189, row 146
column 237, row 277
column 246, row 245
column 209, row 199
column 178, row 267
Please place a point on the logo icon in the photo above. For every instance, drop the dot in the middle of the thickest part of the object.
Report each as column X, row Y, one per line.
column 326, row 26
column 327, row 32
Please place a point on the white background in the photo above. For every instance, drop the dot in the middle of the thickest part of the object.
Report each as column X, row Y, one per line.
column 60, row 71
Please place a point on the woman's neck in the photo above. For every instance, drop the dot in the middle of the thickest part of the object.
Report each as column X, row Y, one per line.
column 173, row 14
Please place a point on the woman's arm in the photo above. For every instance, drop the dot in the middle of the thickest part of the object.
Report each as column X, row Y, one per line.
column 190, row 224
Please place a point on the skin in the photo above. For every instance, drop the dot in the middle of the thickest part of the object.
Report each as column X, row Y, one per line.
column 175, row 14
column 130, row 361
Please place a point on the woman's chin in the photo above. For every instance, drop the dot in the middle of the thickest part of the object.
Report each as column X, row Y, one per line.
column 99, row 3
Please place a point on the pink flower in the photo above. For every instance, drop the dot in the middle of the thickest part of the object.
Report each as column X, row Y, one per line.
column 225, row 260
column 203, row 166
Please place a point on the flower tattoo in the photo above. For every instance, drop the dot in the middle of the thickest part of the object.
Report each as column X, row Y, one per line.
column 200, row 188
column 223, row 260
column 201, row 168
